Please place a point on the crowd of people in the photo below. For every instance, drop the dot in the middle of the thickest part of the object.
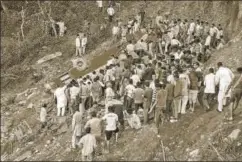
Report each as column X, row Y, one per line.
column 158, row 77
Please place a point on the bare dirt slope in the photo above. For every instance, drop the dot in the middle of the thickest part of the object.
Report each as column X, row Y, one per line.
column 198, row 136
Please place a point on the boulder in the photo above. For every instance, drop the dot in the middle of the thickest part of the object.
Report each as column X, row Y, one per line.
column 49, row 57
column 194, row 155
column 30, row 106
column 22, row 103
column 234, row 134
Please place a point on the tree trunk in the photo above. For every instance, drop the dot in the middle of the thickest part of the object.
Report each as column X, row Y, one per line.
column 23, row 21
column 3, row 7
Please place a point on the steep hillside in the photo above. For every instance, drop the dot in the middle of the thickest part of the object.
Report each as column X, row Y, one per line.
column 198, row 136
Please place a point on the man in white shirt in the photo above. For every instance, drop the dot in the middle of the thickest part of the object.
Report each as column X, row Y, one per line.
column 178, row 55
column 191, row 27
column 62, row 28
column 100, row 5
column 111, row 125
column 115, row 31
column 111, row 12
column 223, row 77
column 130, row 47
column 88, row 144
column 84, row 44
column 209, row 91
column 135, row 78
column 78, row 45
column 208, row 42
column 60, row 96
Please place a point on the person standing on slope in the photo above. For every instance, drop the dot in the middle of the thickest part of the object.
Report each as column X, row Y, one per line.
column 223, row 78
column 60, row 96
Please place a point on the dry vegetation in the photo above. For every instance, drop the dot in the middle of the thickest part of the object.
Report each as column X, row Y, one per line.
column 200, row 131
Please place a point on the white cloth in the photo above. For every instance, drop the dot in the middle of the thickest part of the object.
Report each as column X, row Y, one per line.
column 110, row 11
column 100, row 3
column 223, row 77
column 209, row 82
column 89, row 144
column 111, row 120
column 135, row 79
column 74, row 91
column 43, row 114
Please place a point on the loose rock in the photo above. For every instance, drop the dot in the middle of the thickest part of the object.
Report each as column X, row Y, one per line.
column 234, row 134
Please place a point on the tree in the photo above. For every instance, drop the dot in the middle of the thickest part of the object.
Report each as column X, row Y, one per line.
column 4, row 7
column 23, row 21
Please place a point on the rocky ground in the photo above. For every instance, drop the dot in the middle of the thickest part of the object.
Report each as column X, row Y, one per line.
column 198, row 136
